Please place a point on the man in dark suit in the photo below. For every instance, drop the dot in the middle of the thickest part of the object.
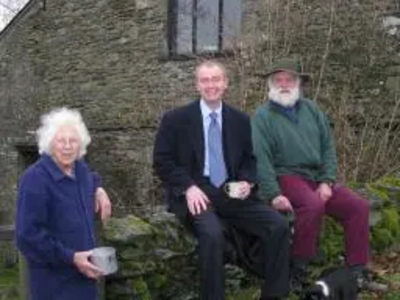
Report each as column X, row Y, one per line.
column 199, row 147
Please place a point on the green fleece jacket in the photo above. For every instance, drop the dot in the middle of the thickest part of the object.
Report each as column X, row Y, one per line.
column 284, row 146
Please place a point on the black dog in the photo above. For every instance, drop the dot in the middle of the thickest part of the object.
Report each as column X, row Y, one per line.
column 333, row 284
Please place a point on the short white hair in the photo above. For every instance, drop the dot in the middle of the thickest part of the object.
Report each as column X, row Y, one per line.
column 51, row 123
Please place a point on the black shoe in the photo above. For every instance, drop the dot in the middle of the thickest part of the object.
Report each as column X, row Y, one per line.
column 366, row 281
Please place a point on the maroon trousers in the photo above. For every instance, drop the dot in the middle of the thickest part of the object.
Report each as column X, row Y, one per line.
column 348, row 208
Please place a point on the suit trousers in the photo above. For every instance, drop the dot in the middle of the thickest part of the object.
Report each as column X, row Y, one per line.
column 250, row 216
column 348, row 208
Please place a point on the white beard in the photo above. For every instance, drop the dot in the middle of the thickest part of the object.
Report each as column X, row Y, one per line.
column 286, row 99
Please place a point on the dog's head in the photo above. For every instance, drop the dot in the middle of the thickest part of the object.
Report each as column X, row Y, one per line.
column 333, row 284
column 318, row 291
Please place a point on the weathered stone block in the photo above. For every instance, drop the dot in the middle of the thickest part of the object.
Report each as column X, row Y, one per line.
column 158, row 260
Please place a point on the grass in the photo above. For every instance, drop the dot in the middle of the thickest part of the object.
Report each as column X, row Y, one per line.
column 8, row 277
column 387, row 264
column 9, row 284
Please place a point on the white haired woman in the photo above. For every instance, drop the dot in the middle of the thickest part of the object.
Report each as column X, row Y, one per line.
column 58, row 197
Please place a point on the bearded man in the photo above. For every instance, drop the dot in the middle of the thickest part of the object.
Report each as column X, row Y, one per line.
column 297, row 171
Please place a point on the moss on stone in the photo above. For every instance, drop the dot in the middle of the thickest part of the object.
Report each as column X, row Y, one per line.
column 157, row 281
column 135, row 268
column 130, row 229
column 141, row 289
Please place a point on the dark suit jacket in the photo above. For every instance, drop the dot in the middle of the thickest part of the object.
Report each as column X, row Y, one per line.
column 179, row 150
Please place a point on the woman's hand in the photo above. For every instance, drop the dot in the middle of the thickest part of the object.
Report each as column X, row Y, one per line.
column 81, row 261
column 103, row 204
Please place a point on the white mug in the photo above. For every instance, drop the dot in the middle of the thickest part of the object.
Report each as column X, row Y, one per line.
column 105, row 259
column 233, row 189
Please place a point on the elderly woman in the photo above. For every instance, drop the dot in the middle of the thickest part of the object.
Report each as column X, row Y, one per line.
column 57, row 201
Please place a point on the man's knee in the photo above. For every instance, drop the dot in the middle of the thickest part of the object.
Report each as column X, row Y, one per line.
column 280, row 225
column 312, row 209
column 354, row 204
column 212, row 234
column 361, row 208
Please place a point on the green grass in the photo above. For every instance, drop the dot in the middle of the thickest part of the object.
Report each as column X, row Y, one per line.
column 9, row 281
column 388, row 296
column 248, row 294
column 393, row 280
column 8, row 277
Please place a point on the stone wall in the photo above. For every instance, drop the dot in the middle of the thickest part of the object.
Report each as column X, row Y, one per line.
column 157, row 256
column 105, row 58
column 20, row 91
column 108, row 58
column 158, row 260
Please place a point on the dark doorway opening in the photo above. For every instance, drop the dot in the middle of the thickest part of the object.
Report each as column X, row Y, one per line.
column 27, row 155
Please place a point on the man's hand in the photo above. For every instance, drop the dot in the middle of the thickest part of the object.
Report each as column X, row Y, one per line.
column 244, row 189
column 282, row 203
column 197, row 201
column 103, row 204
column 81, row 261
column 324, row 191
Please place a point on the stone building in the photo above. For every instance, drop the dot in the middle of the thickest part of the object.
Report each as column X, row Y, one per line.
column 124, row 62
column 110, row 59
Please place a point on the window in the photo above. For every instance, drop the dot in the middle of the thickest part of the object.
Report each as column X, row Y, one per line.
column 203, row 26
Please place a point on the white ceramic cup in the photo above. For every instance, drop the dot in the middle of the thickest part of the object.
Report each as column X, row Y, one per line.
column 105, row 259
column 232, row 189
